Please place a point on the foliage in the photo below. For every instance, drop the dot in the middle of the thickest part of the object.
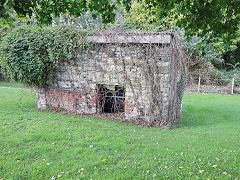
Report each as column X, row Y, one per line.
column 230, row 54
column 2, row 31
column 41, row 144
column 85, row 21
column 231, row 59
column 199, row 50
column 44, row 11
column 30, row 54
column 193, row 50
column 225, row 76
column 140, row 18
column 215, row 18
column 222, row 47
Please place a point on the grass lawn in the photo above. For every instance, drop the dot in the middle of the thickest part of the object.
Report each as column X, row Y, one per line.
column 37, row 144
column 11, row 84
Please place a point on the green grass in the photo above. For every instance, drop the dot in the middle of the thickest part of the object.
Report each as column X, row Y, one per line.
column 37, row 144
column 11, row 84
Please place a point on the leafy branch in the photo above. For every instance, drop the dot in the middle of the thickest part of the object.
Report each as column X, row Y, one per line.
column 30, row 54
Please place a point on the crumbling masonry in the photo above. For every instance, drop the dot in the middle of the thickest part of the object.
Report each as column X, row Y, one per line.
column 136, row 76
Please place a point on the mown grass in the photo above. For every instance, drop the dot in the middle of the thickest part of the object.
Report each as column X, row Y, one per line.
column 11, row 84
column 37, row 144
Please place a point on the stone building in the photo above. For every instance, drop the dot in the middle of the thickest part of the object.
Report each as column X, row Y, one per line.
column 135, row 76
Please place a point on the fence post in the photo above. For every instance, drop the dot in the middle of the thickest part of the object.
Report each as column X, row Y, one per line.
column 199, row 83
column 232, row 85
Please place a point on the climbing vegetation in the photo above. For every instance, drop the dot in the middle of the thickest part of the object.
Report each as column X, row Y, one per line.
column 29, row 54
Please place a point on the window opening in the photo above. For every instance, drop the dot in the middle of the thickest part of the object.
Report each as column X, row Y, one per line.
column 110, row 99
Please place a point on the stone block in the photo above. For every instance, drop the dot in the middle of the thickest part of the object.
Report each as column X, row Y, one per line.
column 164, row 69
column 41, row 96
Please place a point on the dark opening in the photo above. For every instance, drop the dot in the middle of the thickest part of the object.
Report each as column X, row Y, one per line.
column 110, row 100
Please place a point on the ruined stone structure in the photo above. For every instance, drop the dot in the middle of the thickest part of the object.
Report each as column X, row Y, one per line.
column 136, row 76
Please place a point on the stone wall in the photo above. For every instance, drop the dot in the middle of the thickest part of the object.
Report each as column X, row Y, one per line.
column 142, row 69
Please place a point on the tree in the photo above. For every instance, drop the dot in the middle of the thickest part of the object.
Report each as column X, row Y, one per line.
column 216, row 18
column 140, row 18
column 44, row 11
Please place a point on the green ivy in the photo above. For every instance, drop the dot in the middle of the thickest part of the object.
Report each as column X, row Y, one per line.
column 29, row 54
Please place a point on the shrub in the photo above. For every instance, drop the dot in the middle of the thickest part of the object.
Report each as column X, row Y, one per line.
column 29, row 54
